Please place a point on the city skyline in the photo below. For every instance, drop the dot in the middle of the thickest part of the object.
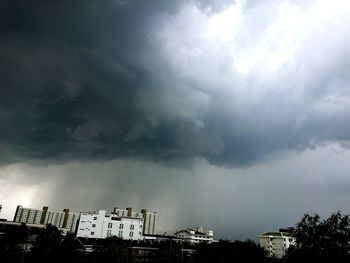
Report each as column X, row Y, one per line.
column 234, row 115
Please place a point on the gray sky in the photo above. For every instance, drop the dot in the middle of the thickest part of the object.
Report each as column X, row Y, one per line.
column 233, row 115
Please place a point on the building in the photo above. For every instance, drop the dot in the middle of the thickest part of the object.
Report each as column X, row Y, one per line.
column 276, row 243
column 126, row 212
column 97, row 224
column 149, row 222
column 65, row 221
column 149, row 218
column 196, row 235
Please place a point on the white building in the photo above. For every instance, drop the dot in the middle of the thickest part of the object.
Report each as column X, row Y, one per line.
column 65, row 221
column 196, row 235
column 98, row 224
column 149, row 218
column 276, row 243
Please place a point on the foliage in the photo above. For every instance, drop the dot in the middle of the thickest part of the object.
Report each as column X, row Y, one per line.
column 47, row 244
column 11, row 241
column 226, row 251
column 316, row 239
column 112, row 249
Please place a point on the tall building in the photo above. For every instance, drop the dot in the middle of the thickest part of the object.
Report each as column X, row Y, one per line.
column 65, row 220
column 149, row 222
column 30, row 215
column 276, row 243
column 97, row 224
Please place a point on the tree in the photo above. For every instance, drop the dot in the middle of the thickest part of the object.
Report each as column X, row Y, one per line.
column 226, row 251
column 317, row 239
column 11, row 242
column 47, row 244
column 112, row 249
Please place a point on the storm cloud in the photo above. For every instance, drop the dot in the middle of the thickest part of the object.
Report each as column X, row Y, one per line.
column 156, row 96
column 153, row 80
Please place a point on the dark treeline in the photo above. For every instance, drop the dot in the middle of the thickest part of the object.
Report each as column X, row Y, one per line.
column 316, row 239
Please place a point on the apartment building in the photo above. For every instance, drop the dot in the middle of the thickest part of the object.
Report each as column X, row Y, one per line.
column 196, row 235
column 98, row 224
column 276, row 243
column 65, row 221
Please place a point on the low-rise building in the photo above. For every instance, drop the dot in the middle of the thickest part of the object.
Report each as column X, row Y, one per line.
column 276, row 243
column 97, row 224
column 196, row 235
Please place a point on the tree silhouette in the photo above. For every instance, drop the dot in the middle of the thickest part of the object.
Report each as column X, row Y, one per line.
column 47, row 244
column 11, row 243
column 112, row 249
column 226, row 251
column 316, row 239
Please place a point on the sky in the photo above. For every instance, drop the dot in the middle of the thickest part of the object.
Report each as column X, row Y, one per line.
column 231, row 115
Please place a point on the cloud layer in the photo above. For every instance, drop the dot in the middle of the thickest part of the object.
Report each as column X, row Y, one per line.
column 236, row 203
column 229, row 114
column 230, row 83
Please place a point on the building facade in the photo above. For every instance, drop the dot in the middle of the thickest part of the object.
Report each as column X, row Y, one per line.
column 149, row 218
column 196, row 235
column 276, row 243
column 65, row 221
column 128, row 212
column 97, row 224
column 149, row 222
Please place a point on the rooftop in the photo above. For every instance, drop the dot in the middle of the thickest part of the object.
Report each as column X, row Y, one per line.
column 277, row 234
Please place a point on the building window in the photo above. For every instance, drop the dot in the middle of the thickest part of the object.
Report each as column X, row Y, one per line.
column 92, row 233
column 95, row 217
column 120, row 233
column 131, row 234
column 93, row 225
column 132, row 227
column 110, row 225
column 121, row 226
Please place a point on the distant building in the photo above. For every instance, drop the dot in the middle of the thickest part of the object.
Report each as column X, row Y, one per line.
column 276, row 243
column 196, row 235
column 97, row 224
column 149, row 222
column 126, row 212
column 149, row 219
column 65, row 220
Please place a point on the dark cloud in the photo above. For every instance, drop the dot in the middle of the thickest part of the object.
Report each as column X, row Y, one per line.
column 91, row 80
column 247, row 104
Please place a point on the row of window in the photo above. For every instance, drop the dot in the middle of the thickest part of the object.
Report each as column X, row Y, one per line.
column 289, row 239
column 121, row 226
column 120, row 233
